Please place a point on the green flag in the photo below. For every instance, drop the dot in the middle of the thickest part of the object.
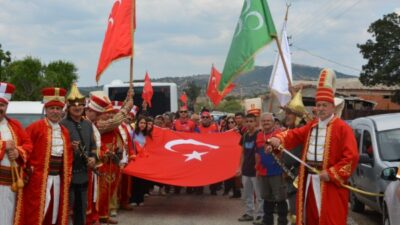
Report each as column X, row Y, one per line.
column 254, row 30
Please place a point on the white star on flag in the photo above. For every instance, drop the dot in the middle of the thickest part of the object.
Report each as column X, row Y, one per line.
column 194, row 155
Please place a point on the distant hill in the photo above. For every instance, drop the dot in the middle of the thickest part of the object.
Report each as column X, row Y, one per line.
column 253, row 83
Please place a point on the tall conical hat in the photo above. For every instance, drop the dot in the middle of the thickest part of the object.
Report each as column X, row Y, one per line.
column 75, row 97
column 326, row 86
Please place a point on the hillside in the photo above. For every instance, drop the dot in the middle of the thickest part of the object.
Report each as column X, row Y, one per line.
column 252, row 83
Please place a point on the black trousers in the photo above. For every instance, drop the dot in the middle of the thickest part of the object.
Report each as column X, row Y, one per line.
column 139, row 188
column 78, row 202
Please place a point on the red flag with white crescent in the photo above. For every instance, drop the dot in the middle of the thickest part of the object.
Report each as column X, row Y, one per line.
column 187, row 159
column 119, row 35
column 212, row 91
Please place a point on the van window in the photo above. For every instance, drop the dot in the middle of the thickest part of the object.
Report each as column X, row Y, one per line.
column 389, row 145
column 357, row 134
column 367, row 144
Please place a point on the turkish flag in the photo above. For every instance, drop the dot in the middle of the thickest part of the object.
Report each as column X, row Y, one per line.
column 183, row 98
column 187, row 159
column 147, row 90
column 212, row 91
column 119, row 35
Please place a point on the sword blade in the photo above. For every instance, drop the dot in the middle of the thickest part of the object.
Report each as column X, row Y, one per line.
column 298, row 159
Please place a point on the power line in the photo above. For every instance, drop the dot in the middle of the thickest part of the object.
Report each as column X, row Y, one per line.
column 320, row 22
column 326, row 59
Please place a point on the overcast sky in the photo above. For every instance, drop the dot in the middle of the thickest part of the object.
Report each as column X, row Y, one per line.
column 184, row 37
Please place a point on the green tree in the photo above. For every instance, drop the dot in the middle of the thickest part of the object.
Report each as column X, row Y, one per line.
column 231, row 106
column 192, row 92
column 60, row 74
column 5, row 60
column 27, row 76
column 383, row 53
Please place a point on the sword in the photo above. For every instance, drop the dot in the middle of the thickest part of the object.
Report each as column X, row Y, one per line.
column 281, row 148
column 351, row 188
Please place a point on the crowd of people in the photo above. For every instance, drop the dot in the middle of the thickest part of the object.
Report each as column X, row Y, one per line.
column 66, row 168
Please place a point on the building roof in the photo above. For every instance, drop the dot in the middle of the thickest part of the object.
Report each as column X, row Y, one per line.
column 349, row 83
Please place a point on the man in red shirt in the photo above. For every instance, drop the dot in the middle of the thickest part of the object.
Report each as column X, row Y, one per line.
column 207, row 126
column 183, row 124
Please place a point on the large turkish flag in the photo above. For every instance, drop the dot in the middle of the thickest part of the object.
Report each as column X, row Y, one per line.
column 187, row 159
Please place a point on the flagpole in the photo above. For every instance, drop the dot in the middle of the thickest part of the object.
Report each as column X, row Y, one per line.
column 133, row 15
column 271, row 99
column 281, row 52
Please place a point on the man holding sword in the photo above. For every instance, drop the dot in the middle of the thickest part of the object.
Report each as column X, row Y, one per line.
column 328, row 159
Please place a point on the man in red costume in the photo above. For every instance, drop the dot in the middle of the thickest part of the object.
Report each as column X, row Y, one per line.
column 46, row 194
column 96, row 106
column 15, row 146
column 330, row 147
column 112, row 143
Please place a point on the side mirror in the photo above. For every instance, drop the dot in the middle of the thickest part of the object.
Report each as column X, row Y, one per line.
column 389, row 173
column 366, row 159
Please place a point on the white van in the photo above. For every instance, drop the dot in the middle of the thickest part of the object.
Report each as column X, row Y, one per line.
column 25, row 112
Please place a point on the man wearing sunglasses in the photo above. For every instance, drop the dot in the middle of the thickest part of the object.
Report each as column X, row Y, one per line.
column 207, row 126
column 183, row 124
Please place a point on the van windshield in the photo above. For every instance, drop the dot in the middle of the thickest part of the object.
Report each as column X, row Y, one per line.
column 25, row 119
column 389, row 144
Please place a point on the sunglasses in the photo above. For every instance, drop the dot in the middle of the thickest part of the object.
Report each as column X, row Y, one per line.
column 183, row 111
column 205, row 117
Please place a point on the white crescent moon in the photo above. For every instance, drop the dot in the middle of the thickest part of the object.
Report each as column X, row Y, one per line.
column 258, row 16
column 238, row 28
column 248, row 4
column 111, row 20
column 168, row 146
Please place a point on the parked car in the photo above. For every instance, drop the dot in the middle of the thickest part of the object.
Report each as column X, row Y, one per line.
column 391, row 201
column 25, row 112
column 378, row 139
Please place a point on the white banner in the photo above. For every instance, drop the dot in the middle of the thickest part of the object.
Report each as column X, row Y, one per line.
column 279, row 82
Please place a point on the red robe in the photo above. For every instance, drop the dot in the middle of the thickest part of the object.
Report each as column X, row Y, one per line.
column 125, row 186
column 34, row 192
column 108, row 181
column 339, row 160
column 24, row 147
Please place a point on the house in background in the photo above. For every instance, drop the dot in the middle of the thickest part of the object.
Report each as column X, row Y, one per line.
column 359, row 100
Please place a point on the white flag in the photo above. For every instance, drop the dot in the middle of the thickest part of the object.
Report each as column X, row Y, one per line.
column 278, row 81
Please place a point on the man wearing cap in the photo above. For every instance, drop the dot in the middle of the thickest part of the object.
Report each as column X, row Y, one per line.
column 15, row 146
column 125, row 149
column 111, row 142
column 330, row 147
column 96, row 106
column 46, row 196
column 84, row 145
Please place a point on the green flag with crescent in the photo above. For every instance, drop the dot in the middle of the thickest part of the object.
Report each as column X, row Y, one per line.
column 254, row 30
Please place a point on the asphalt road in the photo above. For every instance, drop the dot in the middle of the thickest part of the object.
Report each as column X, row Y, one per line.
column 205, row 210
